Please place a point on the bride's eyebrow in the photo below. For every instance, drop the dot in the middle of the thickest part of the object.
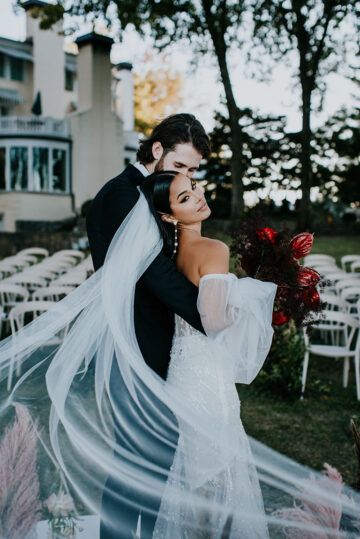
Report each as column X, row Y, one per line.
column 182, row 193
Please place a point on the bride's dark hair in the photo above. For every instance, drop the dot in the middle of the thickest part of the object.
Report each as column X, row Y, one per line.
column 156, row 189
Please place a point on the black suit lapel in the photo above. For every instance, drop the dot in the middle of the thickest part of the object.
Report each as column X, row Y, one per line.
column 134, row 175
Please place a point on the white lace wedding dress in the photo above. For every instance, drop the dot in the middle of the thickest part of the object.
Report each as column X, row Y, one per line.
column 214, row 462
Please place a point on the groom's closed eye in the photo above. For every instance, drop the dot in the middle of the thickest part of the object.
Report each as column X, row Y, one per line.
column 181, row 165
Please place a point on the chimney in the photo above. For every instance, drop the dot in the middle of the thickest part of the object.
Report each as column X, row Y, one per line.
column 49, row 61
column 94, row 72
column 124, row 95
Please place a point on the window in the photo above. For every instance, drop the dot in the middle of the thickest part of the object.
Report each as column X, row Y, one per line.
column 18, row 168
column 40, row 169
column 2, row 168
column 69, row 80
column 59, row 170
column 16, row 69
column 4, row 110
column 2, row 65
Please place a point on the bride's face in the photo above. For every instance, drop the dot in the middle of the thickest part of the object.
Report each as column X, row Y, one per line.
column 187, row 201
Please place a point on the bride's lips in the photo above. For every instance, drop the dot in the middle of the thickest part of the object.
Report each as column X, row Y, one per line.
column 203, row 206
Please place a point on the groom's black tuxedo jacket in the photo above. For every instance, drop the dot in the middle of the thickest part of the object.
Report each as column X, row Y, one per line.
column 161, row 291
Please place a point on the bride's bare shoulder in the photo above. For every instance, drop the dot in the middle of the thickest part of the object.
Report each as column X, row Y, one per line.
column 213, row 256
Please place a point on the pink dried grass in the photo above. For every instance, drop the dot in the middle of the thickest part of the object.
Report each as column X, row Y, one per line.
column 315, row 510
column 19, row 482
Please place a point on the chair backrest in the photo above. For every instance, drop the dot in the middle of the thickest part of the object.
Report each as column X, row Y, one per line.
column 348, row 322
column 36, row 251
column 351, row 292
column 10, row 294
column 325, row 268
column 52, row 293
column 336, row 275
column 346, row 283
column 349, row 258
column 78, row 255
column 17, row 313
column 355, row 265
column 28, row 280
column 71, row 279
column 319, row 256
column 334, row 301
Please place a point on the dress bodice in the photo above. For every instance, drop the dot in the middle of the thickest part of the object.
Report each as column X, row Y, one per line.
column 183, row 329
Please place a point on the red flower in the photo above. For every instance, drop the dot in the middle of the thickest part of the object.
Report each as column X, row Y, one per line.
column 279, row 318
column 308, row 277
column 301, row 244
column 266, row 234
column 311, row 297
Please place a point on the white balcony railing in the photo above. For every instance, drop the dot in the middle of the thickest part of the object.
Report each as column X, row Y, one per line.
column 30, row 125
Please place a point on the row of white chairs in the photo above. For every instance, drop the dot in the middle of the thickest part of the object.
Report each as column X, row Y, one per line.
column 340, row 323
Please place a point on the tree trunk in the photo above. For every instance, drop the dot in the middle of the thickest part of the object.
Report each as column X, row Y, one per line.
column 305, row 217
column 236, row 145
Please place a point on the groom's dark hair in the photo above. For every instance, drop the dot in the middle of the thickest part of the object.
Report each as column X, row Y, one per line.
column 173, row 130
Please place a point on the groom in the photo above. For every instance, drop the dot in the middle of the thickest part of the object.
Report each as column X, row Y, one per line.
column 178, row 143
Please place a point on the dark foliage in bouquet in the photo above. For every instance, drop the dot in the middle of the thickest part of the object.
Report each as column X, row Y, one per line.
column 268, row 255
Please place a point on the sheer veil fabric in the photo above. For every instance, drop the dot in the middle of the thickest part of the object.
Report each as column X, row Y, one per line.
column 69, row 392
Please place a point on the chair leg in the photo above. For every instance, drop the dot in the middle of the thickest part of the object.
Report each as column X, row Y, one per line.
column 357, row 376
column 304, row 374
column 10, row 375
column 346, row 372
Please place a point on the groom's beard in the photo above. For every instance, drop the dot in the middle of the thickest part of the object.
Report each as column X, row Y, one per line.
column 160, row 164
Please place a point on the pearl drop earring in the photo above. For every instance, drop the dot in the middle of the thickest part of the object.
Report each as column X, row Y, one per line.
column 175, row 239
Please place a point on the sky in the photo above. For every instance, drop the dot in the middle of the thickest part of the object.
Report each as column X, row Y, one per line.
column 202, row 92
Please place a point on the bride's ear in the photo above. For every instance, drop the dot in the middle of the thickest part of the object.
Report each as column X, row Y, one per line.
column 168, row 219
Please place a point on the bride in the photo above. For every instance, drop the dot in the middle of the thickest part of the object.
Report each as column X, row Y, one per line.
column 213, row 459
column 210, row 488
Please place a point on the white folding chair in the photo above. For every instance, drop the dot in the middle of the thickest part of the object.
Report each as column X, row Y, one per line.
column 51, row 293
column 69, row 279
column 346, row 283
column 7, row 269
column 35, row 251
column 78, row 255
column 333, row 303
column 350, row 348
column 17, row 322
column 347, row 259
column 11, row 295
column 27, row 280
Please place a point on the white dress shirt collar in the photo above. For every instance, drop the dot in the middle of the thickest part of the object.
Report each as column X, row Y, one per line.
column 142, row 168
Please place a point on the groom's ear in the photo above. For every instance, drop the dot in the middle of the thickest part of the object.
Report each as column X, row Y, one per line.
column 157, row 150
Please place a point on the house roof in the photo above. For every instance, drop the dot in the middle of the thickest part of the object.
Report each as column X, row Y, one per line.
column 16, row 49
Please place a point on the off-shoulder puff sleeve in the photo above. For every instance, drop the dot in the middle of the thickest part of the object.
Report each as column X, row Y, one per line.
column 237, row 315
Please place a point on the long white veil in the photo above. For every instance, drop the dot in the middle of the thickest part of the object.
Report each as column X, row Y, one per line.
column 100, row 412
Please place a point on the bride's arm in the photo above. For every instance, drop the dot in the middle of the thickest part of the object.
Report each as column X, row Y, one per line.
column 213, row 292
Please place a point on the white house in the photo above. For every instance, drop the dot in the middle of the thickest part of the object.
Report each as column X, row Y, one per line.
column 50, row 164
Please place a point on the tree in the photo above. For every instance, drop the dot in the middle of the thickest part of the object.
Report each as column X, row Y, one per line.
column 263, row 138
column 156, row 94
column 208, row 25
column 338, row 147
column 311, row 29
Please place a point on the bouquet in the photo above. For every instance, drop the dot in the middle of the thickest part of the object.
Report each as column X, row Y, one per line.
column 268, row 255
